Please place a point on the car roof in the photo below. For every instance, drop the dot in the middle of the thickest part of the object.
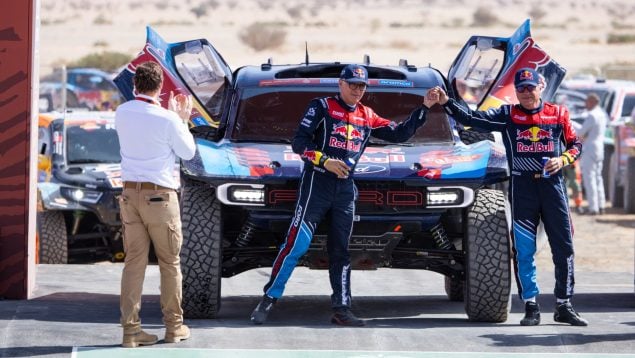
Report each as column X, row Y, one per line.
column 81, row 115
column 589, row 83
column 327, row 74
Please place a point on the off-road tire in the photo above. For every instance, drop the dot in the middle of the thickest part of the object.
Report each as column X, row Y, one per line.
column 51, row 229
column 487, row 258
column 455, row 289
column 629, row 186
column 469, row 136
column 201, row 251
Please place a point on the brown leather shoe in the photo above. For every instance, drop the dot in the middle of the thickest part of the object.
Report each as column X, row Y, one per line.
column 141, row 338
column 177, row 335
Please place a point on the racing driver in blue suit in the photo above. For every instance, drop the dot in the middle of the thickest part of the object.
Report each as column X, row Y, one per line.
column 330, row 139
column 533, row 130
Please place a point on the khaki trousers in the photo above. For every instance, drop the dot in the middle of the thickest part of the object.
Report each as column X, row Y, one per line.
column 151, row 216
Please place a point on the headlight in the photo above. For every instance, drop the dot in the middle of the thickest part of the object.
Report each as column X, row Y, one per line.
column 81, row 195
column 449, row 197
column 241, row 194
column 247, row 195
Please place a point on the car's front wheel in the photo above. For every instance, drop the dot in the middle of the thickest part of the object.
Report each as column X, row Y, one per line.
column 487, row 259
column 201, row 251
column 51, row 229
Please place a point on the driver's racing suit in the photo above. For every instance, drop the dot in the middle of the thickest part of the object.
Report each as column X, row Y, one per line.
column 331, row 129
column 528, row 136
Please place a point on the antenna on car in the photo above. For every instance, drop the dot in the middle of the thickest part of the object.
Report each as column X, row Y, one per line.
column 267, row 66
column 366, row 60
column 306, row 53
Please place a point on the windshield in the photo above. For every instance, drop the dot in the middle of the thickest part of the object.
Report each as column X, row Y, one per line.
column 629, row 103
column 92, row 142
column 266, row 114
column 204, row 72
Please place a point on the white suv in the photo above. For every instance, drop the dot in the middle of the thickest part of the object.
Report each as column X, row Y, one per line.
column 617, row 97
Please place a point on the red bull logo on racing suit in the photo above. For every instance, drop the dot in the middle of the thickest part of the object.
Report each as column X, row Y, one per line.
column 535, row 136
column 351, row 135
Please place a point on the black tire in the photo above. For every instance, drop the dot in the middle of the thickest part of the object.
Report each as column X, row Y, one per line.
column 629, row 186
column 201, row 251
column 53, row 240
column 487, row 259
column 455, row 289
column 469, row 136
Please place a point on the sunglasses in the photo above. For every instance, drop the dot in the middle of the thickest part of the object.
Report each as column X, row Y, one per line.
column 523, row 88
column 356, row 86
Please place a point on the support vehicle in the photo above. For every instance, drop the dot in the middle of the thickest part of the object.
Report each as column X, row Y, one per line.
column 79, row 180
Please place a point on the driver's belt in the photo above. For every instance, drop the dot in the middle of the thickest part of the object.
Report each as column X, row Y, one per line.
column 144, row 186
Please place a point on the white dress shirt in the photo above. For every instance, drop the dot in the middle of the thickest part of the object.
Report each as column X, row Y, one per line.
column 151, row 137
column 592, row 134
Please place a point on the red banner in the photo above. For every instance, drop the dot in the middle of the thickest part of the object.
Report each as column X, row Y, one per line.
column 16, row 74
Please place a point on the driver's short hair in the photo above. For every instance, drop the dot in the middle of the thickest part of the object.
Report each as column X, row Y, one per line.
column 148, row 77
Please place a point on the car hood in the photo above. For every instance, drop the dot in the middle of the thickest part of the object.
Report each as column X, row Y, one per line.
column 225, row 160
column 92, row 176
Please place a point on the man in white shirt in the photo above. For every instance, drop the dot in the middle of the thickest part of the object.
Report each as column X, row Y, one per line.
column 151, row 138
column 592, row 134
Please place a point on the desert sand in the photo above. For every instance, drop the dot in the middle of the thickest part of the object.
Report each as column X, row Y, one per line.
column 425, row 32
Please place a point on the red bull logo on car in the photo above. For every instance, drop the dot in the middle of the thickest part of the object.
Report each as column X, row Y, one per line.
column 534, row 135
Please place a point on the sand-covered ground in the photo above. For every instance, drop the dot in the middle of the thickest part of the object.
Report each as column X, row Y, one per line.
column 576, row 33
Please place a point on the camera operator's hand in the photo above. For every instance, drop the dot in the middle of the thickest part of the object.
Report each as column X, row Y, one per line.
column 337, row 167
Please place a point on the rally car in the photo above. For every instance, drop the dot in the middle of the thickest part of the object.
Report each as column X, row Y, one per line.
column 79, row 179
column 434, row 203
column 92, row 88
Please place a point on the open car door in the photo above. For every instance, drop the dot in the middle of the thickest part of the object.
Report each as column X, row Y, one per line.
column 483, row 73
column 192, row 68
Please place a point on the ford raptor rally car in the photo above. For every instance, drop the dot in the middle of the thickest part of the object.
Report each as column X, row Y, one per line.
column 435, row 203
column 79, row 178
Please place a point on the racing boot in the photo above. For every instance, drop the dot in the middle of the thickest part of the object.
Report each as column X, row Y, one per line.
column 566, row 314
column 532, row 314
column 260, row 313
column 175, row 335
column 344, row 317
column 139, row 338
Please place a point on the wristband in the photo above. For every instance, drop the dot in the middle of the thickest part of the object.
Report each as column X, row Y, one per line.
column 323, row 159
column 565, row 160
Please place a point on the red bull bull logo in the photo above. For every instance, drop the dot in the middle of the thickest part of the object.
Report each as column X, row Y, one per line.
column 359, row 73
column 526, row 75
column 348, row 131
column 310, row 155
column 525, row 54
column 534, row 135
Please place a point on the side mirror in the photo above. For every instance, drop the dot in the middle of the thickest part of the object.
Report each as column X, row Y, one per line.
column 45, row 103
